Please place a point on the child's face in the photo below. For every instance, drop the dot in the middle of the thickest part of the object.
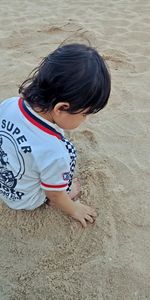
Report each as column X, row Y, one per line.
column 67, row 120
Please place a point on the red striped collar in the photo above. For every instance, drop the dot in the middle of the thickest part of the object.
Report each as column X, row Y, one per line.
column 39, row 122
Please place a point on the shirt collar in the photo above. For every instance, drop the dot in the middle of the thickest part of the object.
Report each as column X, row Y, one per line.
column 37, row 120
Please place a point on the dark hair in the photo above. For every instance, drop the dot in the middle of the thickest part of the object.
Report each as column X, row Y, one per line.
column 73, row 73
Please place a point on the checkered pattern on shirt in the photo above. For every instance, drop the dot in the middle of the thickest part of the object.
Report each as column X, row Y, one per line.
column 73, row 156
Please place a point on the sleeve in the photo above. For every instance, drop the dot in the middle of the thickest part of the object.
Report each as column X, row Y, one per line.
column 55, row 176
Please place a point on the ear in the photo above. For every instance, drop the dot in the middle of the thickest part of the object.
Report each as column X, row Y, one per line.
column 61, row 106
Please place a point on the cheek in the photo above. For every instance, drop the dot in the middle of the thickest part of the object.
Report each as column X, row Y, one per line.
column 72, row 122
column 67, row 121
column 83, row 118
column 78, row 121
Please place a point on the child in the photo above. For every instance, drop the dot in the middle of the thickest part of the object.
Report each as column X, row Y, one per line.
column 36, row 161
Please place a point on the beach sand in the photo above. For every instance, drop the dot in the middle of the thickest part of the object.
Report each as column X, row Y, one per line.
column 44, row 255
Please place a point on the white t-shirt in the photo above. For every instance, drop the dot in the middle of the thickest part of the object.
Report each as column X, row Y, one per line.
column 33, row 157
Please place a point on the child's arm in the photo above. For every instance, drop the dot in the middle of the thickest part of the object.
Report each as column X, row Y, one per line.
column 77, row 210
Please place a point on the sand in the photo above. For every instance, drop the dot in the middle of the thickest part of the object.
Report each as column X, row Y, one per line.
column 44, row 255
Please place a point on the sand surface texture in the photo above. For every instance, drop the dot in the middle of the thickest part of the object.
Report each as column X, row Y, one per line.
column 44, row 255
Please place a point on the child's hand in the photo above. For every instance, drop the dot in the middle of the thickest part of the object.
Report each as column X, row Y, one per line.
column 84, row 213
column 75, row 209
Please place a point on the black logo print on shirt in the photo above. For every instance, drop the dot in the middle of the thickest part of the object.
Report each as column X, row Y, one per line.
column 9, row 176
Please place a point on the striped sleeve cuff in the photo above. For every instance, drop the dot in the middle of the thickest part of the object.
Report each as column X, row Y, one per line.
column 52, row 187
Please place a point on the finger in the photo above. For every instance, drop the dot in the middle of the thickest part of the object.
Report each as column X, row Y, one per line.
column 89, row 218
column 83, row 222
column 92, row 212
